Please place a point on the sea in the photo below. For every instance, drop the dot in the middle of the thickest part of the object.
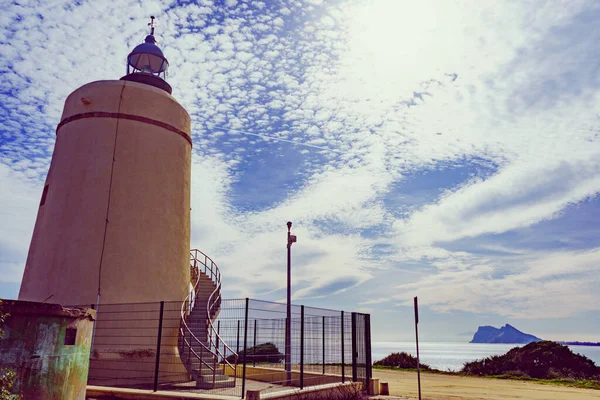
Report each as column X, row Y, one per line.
column 452, row 355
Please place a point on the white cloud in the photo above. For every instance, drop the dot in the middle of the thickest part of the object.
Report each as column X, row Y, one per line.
column 519, row 195
column 554, row 284
column 18, row 209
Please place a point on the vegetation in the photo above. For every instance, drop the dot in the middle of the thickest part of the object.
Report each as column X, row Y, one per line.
column 7, row 376
column 542, row 362
column 7, row 379
column 539, row 360
column 578, row 383
column 261, row 353
column 401, row 360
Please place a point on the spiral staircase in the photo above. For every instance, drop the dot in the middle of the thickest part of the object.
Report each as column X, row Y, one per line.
column 207, row 358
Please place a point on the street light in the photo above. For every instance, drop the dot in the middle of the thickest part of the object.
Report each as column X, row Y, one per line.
column 288, row 321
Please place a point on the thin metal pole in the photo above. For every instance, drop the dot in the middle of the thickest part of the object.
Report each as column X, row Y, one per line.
column 93, row 307
column 288, row 320
column 211, row 331
column 245, row 349
column 158, row 340
column 302, row 347
column 323, row 345
column 190, row 344
column 417, row 339
column 214, row 371
column 217, row 338
column 368, row 347
column 95, row 322
column 254, row 347
column 354, row 352
column 343, row 366
column 237, row 350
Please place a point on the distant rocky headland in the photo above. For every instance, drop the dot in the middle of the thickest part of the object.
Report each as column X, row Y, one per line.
column 506, row 334
column 581, row 343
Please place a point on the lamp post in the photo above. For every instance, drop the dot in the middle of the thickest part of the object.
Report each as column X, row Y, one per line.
column 288, row 321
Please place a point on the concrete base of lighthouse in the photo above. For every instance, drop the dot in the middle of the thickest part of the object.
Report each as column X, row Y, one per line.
column 140, row 373
column 126, row 347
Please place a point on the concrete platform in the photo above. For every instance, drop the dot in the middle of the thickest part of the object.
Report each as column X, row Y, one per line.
column 284, row 393
column 103, row 392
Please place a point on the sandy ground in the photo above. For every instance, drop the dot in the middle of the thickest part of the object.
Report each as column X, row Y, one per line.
column 435, row 386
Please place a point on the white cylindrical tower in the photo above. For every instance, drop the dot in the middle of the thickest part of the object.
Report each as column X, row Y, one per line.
column 114, row 215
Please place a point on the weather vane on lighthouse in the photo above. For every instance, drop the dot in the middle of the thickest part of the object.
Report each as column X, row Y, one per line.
column 151, row 25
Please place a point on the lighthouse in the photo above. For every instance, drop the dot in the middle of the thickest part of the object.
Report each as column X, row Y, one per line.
column 113, row 233
column 113, row 224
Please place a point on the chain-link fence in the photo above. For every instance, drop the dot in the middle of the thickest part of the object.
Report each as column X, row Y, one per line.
column 140, row 345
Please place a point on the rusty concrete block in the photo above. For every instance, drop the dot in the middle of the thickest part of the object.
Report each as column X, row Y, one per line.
column 384, row 389
column 48, row 346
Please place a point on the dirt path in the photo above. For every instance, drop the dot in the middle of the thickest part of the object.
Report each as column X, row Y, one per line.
column 436, row 386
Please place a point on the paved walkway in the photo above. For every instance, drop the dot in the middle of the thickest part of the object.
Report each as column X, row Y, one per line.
column 281, row 392
column 188, row 388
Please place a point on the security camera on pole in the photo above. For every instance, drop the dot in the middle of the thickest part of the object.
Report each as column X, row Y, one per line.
column 288, row 321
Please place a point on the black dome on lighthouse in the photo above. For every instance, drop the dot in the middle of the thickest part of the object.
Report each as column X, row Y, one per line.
column 147, row 57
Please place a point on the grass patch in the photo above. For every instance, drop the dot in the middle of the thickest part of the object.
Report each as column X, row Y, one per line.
column 428, row 371
column 578, row 383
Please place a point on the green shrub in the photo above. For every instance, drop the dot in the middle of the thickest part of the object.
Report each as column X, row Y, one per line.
column 262, row 353
column 401, row 360
column 539, row 360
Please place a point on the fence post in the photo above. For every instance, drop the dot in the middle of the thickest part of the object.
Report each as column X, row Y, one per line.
column 354, row 352
column 302, row 347
column 245, row 348
column 210, row 331
column 158, row 340
column 238, row 339
column 217, row 338
column 343, row 366
column 323, row 345
column 93, row 333
column 254, row 348
column 368, row 359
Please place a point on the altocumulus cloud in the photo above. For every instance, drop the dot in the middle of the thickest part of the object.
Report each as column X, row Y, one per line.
column 347, row 102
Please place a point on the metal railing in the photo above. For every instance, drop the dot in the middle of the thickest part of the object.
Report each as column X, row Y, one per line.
column 140, row 345
column 212, row 346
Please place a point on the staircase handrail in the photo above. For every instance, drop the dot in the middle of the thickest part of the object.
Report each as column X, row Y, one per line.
column 214, row 300
column 215, row 343
column 189, row 300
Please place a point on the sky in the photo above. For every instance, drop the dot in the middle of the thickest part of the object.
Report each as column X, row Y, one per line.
column 448, row 150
